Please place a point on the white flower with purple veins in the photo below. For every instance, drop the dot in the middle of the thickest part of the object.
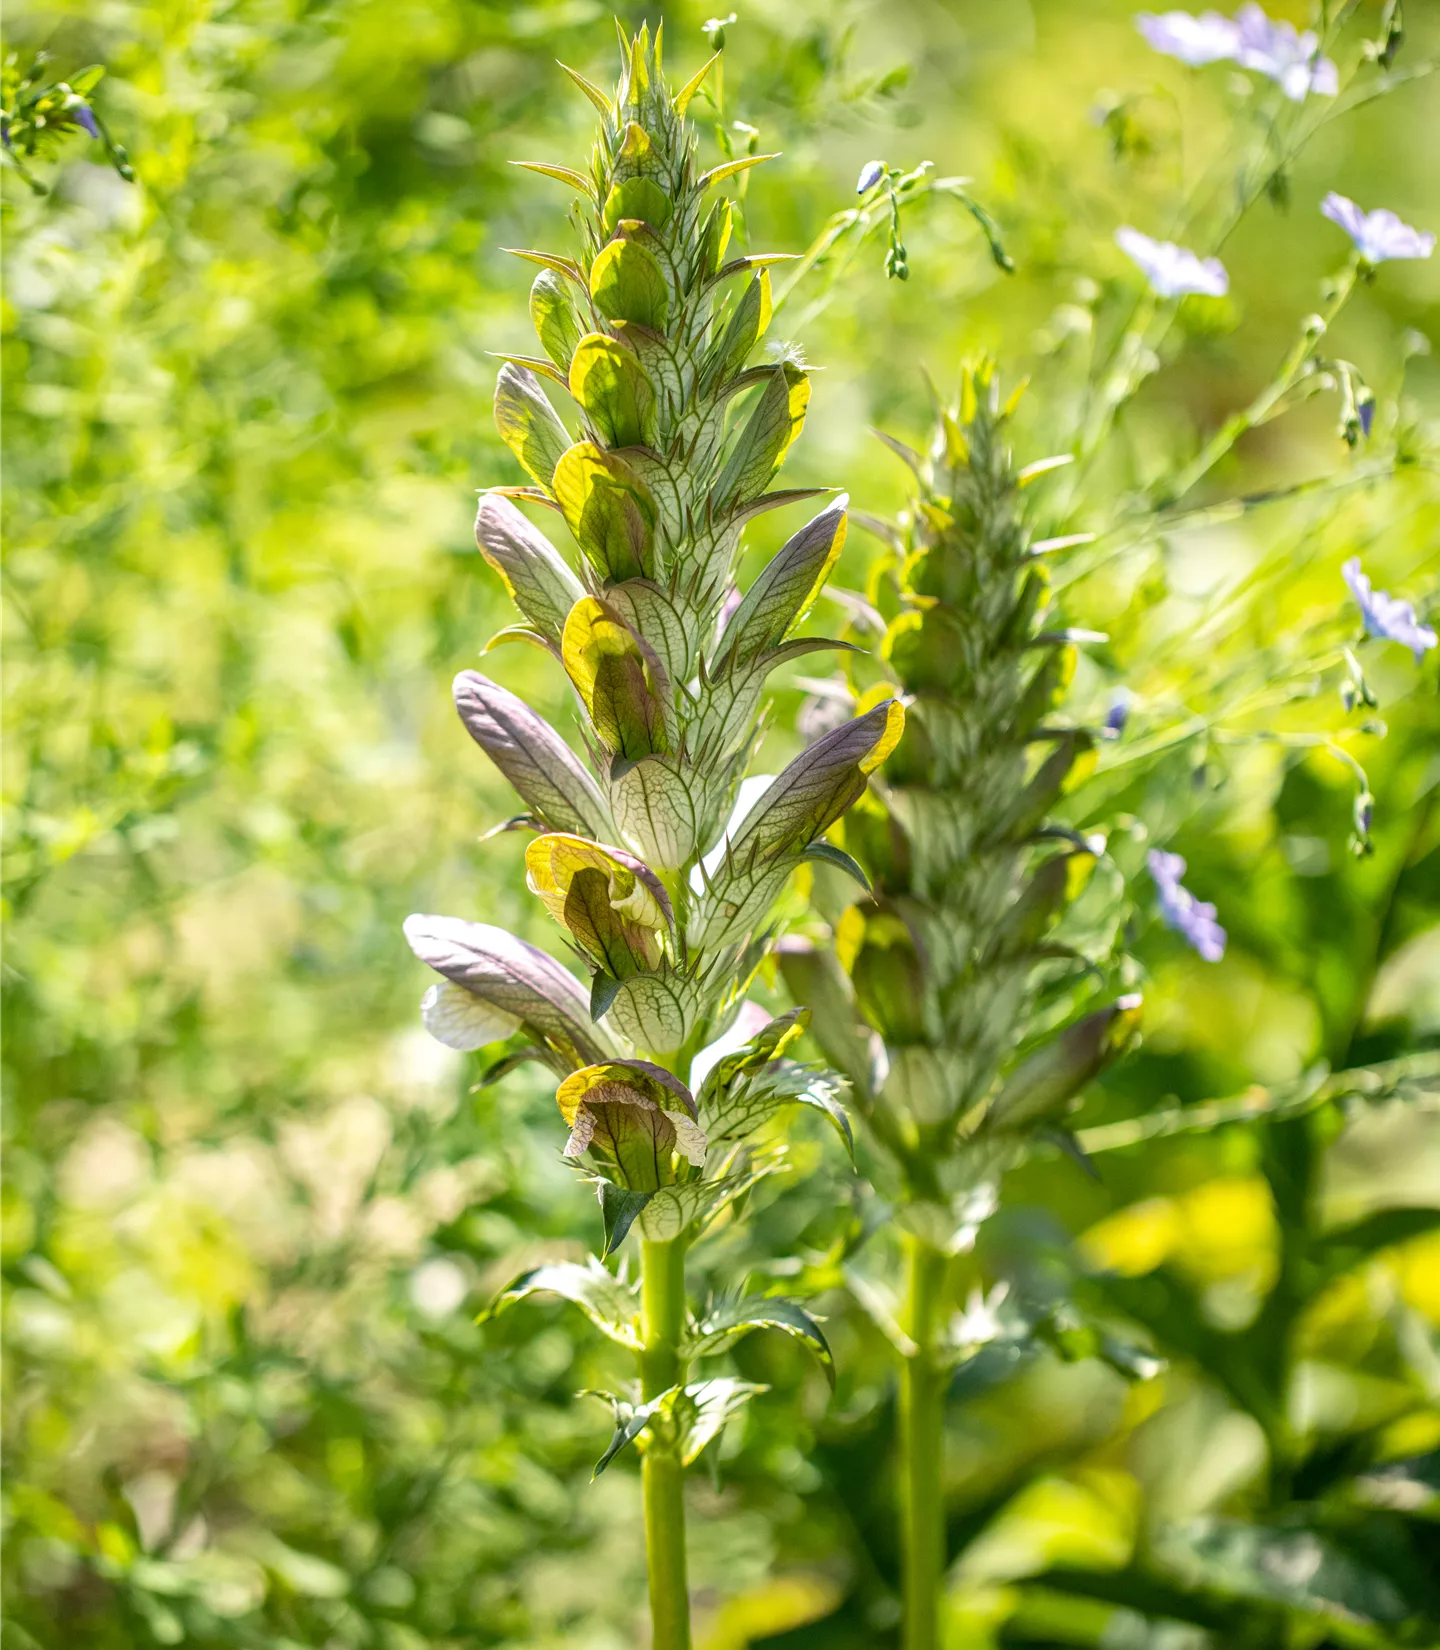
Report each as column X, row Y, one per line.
column 1190, row 917
column 1208, row 38
column 1378, row 235
column 1290, row 58
column 1387, row 616
column 1171, row 270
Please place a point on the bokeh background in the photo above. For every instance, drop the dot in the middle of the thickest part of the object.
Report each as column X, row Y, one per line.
column 250, row 1210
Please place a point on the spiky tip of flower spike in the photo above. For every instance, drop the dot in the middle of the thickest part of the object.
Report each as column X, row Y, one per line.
column 652, row 325
column 933, row 977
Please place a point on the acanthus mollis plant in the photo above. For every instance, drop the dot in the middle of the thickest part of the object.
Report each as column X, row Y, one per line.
column 660, row 870
column 949, row 994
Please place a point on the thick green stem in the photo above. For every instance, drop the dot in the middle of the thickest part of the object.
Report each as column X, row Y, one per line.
column 922, row 1448
column 662, row 1323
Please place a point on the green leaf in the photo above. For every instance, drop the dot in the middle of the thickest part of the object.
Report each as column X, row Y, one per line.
column 528, row 424
column 744, row 330
column 747, row 1103
column 732, row 1320
column 610, row 384
column 637, row 200
column 618, row 1208
column 764, row 438
column 609, row 509
column 627, row 284
column 612, row 1306
column 826, row 853
column 718, row 174
column 630, row 1421
column 531, row 568
column 593, row 92
column 561, row 174
column 693, row 85
column 703, row 1408
column 556, row 320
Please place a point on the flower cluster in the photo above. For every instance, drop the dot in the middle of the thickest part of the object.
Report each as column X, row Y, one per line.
column 1291, row 58
column 651, row 333
column 934, row 978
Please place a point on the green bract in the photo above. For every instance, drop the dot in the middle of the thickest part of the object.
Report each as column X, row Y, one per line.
column 676, row 448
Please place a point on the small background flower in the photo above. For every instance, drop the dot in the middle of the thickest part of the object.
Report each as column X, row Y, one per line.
column 1386, row 616
column 1379, row 235
column 1191, row 918
column 1171, row 270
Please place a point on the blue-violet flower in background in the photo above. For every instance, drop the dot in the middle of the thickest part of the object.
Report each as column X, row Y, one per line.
column 1291, row 59
column 1192, row 918
column 1171, row 270
column 1208, row 38
column 1387, row 616
column 1251, row 39
column 1377, row 235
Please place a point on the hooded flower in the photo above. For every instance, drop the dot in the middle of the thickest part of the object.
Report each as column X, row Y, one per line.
column 1377, row 235
column 1188, row 916
column 1208, row 38
column 1387, row 616
column 1288, row 57
column 1119, row 713
column 1171, row 270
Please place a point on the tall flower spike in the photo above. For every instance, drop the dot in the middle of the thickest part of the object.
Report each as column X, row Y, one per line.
column 652, row 325
column 930, row 992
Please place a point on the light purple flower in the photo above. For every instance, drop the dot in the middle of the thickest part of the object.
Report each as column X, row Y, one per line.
column 1387, row 616
column 1170, row 269
column 1377, row 235
column 85, row 118
column 1208, row 38
column 1180, row 910
column 1289, row 58
column 870, row 174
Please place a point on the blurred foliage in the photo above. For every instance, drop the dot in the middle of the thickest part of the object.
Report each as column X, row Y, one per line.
column 250, row 1210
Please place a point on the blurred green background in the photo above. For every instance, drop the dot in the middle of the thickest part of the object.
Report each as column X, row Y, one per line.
column 250, row 1209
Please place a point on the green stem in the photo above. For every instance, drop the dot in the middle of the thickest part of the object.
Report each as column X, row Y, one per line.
column 1265, row 403
column 662, row 1323
column 922, row 1446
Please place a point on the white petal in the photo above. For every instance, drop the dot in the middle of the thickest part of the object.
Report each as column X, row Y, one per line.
column 460, row 1019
